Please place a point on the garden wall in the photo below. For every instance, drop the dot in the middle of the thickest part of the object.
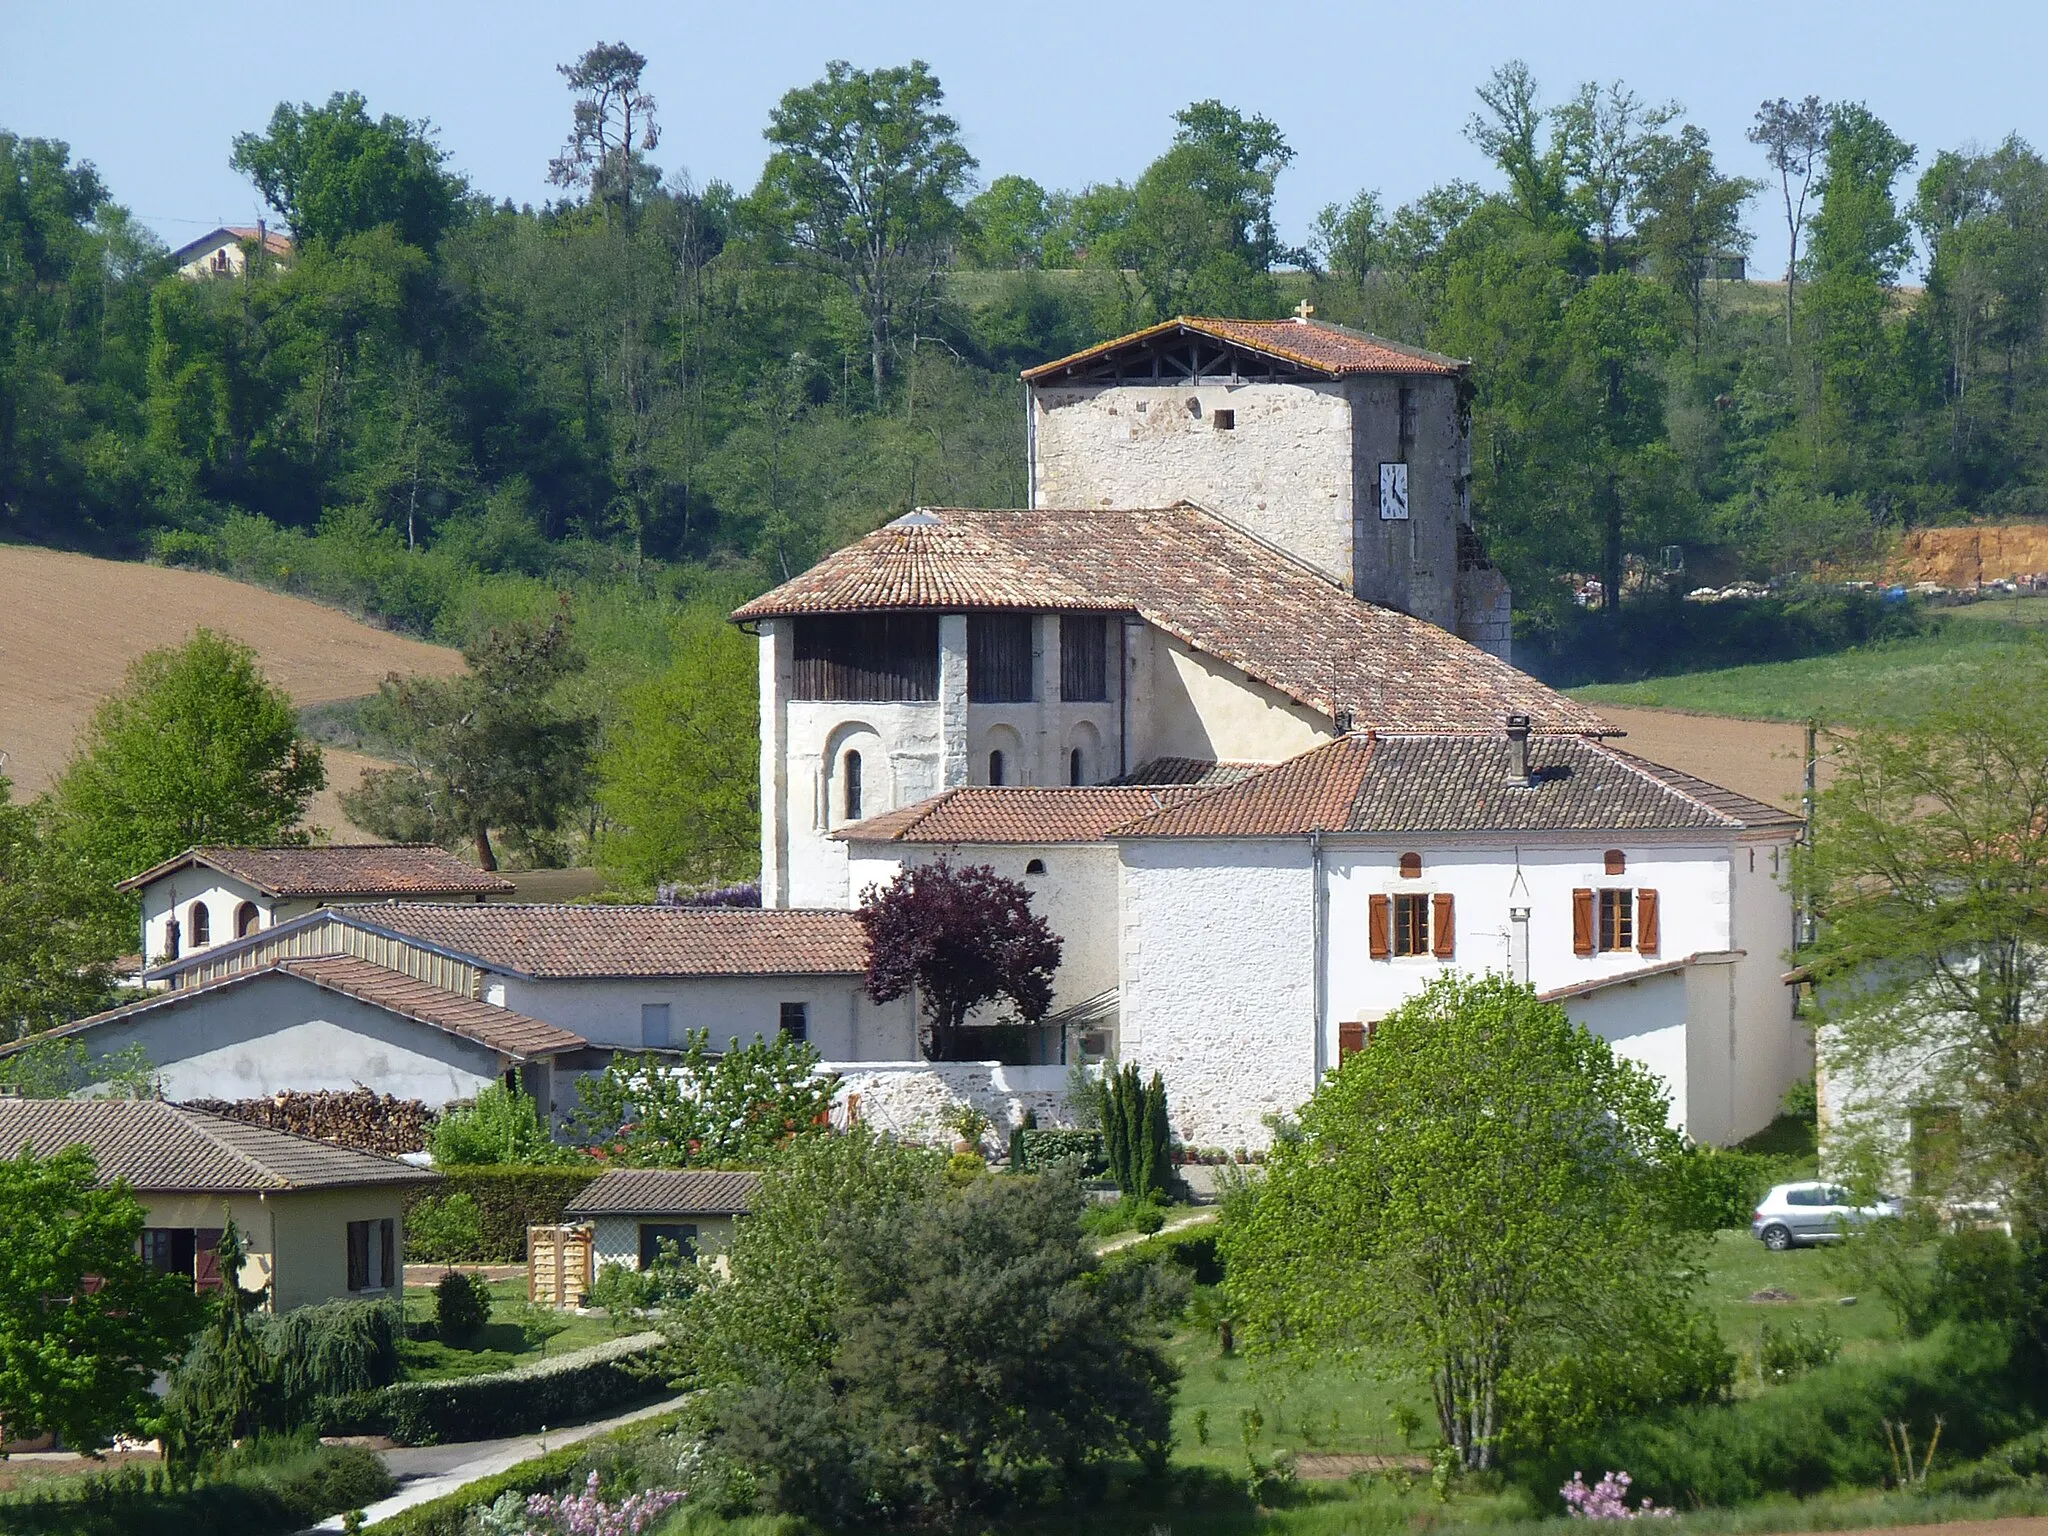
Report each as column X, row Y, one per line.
column 913, row 1099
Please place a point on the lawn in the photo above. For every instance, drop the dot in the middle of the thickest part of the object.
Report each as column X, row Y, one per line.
column 498, row 1345
column 1897, row 680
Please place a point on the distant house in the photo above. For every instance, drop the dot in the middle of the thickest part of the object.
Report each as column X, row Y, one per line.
column 206, row 895
column 224, row 252
column 633, row 1211
column 319, row 1222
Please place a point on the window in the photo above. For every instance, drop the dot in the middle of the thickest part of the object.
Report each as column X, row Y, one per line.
column 1354, row 1036
column 1035, row 867
column 1616, row 862
column 1076, row 769
column 995, row 767
column 168, row 1250
column 1604, row 922
column 1405, row 926
column 1084, row 658
column 999, row 658
column 1224, row 421
column 372, row 1255
column 796, row 1020
column 681, row 1235
column 1805, row 1194
column 1617, row 920
column 849, row 779
column 247, row 919
column 201, row 923
column 1411, row 866
column 654, row 1034
column 1411, row 925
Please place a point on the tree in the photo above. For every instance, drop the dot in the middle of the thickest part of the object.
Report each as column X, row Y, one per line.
column 1137, row 1135
column 1509, row 132
column 1861, row 240
column 1476, row 1199
column 1008, row 224
column 1792, row 135
column 1688, row 215
column 863, row 183
column 332, row 171
column 1929, row 880
column 197, row 747
column 1349, row 240
column 739, row 1107
column 225, row 1389
column 57, row 942
column 85, row 1323
column 488, row 750
column 678, row 779
column 962, row 938
column 614, row 124
column 1606, row 137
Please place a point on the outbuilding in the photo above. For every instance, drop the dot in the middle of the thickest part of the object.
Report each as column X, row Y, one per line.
column 633, row 1211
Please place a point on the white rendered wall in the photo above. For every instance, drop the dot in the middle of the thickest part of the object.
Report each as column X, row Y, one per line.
column 902, row 751
column 1773, row 1047
column 1186, row 704
column 222, row 896
column 1647, row 1022
column 1037, row 736
column 844, row 1025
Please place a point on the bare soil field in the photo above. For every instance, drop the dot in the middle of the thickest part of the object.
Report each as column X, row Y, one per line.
column 1764, row 759
column 70, row 625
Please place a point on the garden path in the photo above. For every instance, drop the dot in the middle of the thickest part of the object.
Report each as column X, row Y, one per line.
column 1128, row 1239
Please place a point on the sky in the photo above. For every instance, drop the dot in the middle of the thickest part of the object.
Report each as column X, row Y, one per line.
column 1371, row 95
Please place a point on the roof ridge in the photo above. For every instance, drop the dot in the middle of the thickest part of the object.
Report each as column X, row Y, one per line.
column 187, row 1117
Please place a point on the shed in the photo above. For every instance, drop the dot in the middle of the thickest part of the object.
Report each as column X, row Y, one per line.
column 632, row 1211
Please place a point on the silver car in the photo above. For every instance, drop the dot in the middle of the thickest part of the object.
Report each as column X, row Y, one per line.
column 1796, row 1215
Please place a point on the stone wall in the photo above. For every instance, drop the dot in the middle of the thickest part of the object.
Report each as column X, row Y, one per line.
column 912, row 1100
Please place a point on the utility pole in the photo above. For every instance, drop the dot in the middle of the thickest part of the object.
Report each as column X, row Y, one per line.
column 1806, row 921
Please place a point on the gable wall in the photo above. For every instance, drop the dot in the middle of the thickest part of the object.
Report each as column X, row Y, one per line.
column 1187, row 704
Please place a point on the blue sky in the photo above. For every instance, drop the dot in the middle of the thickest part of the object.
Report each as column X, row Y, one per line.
column 1369, row 94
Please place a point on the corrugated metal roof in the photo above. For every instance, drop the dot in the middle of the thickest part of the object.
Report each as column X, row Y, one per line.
column 666, row 1192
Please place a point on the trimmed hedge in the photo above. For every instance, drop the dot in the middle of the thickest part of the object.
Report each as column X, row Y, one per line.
column 510, row 1198
column 1190, row 1248
column 1040, row 1150
column 253, row 1499
column 569, row 1389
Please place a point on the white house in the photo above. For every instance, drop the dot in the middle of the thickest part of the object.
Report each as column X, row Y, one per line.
column 225, row 251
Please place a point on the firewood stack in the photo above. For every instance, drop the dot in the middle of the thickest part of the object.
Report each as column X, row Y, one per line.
column 362, row 1118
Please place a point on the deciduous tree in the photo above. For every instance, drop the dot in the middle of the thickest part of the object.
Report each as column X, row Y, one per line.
column 1792, row 136
column 738, row 1107
column 334, row 171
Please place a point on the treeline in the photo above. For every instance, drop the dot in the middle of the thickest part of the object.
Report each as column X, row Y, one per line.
column 651, row 370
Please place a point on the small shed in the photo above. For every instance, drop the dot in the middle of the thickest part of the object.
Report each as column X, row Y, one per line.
column 633, row 1211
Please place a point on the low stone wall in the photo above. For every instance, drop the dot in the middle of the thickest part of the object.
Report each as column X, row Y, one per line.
column 913, row 1099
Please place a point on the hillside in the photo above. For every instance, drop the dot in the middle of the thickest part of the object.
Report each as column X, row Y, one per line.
column 70, row 625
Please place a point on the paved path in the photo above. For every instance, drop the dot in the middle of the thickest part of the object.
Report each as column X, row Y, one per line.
column 428, row 1471
column 1131, row 1239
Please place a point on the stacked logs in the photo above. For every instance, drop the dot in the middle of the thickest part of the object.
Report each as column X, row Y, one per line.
column 362, row 1118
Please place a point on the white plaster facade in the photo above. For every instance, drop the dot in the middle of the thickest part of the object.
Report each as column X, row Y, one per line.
column 624, row 1013
column 233, row 908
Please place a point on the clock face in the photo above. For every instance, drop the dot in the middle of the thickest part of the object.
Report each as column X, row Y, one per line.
column 1394, row 493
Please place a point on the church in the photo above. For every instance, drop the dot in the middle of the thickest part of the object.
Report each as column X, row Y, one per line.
column 1233, row 698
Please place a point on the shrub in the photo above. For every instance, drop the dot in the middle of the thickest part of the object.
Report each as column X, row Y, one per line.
column 332, row 1349
column 462, row 1305
column 1794, row 1350
column 1135, row 1133
column 1711, row 1189
column 1129, row 1213
column 1191, row 1250
column 565, row 1390
column 1041, row 1151
column 510, row 1199
column 447, row 1229
column 263, row 1489
column 502, row 1126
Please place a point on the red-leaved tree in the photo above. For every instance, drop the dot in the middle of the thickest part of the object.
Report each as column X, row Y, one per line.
column 962, row 938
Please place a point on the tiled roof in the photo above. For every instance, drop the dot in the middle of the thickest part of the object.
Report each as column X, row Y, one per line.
column 666, row 1192
column 992, row 814
column 376, row 869
column 1200, row 579
column 162, row 1148
column 1641, row 973
column 1315, row 344
column 569, row 941
column 499, row 1028
column 1189, row 770
column 1461, row 783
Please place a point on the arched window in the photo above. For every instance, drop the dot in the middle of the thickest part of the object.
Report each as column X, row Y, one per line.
column 995, row 767
column 849, row 772
column 201, row 925
column 1411, row 866
column 1075, row 767
column 246, row 919
column 1617, row 862
column 1035, row 867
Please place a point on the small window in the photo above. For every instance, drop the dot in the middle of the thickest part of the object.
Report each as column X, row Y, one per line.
column 1617, row 920
column 1076, row 768
column 247, row 919
column 1411, row 866
column 995, row 767
column 372, row 1255
column 202, row 925
column 796, row 1020
column 681, row 1236
column 849, row 777
column 1035, row 867
column 168, row 1250
column 654, row 1035
column 1617, row 862
column 1224, row 421
column 1411, row 925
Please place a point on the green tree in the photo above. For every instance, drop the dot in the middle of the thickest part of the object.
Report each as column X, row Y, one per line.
column 334, row 171
column 614, row 125
column 1607, row 137
column 224, row 1390
column 85, row 1323
column 490, row 750
column 1793, row 136
column 1688, row 215
column 1475, row 1200
column 197, row 747
column 863, row 182
column 1008, row 224
column 739, row 1107
column 678, row 779
column 57, row 944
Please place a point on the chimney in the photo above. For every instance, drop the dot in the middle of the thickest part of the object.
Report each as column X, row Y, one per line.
column 1518, row 750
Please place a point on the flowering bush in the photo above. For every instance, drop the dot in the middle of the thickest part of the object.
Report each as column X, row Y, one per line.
column 1605, row 1500
column 586, row 1514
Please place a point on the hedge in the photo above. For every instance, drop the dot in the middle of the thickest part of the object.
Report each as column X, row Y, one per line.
column 1040, row 1150
column 568, row 1389
column 510, row 1198
column 1192, row 1248
column 259, row 1499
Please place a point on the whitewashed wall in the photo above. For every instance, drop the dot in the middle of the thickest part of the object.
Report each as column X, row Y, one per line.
column 843, row 1023
column 1186, row 704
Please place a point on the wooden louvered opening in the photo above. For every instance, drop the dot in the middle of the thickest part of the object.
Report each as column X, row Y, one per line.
column 999, row 658
column 889, row 658
column 1084, row 658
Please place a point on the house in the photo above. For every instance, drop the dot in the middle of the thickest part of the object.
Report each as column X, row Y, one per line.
column 319, row 1222
column 224, row 252
column 633, row 1211
column 209, row 894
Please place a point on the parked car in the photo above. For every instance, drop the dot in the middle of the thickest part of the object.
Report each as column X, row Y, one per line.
column 1796, row 1215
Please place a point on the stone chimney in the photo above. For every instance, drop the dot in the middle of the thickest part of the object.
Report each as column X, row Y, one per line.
column 1518, row 750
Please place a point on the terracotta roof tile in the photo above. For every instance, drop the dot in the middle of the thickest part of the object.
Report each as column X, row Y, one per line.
column 158, row 1147
column 375, row 869
column 995, row 814
column 1313, row 792
column 1331, row 349
column 569, row 941
column 1189, row 770
column 666, row 1192
column 1203, row 581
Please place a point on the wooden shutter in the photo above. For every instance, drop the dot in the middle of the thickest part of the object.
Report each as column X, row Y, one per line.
column 1646, row 922
column 1350, row 1038
column 359, row 1255
column 388, row 1235
column 1582, row 922
column 1442, row 927
column 1380, row 926
column 206, row 1258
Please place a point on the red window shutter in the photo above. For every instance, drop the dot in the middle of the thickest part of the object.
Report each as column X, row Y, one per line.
column 1443, row 928
column 1350, row 1039
column 1646, row 922
column 206, row 1259
column 1582, row 922
column 1380, row 926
